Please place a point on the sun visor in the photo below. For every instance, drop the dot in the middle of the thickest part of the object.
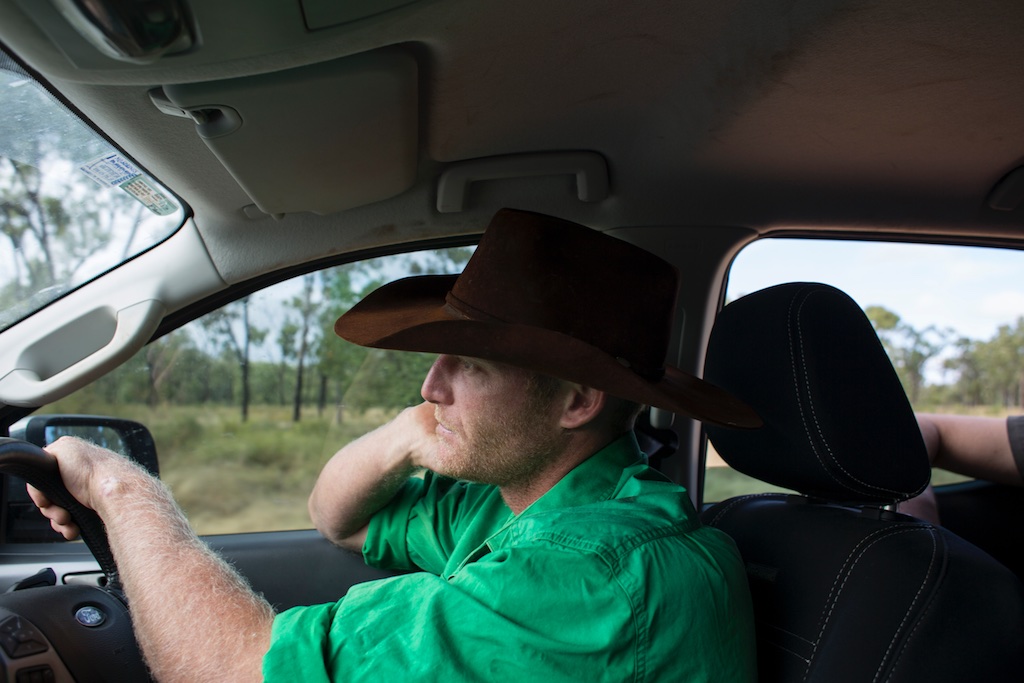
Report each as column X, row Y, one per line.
column 319, row 138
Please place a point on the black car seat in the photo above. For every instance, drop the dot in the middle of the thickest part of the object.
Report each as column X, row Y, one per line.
column 844, row 587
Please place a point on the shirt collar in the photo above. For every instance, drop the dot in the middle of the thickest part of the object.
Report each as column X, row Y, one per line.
column 597, row 478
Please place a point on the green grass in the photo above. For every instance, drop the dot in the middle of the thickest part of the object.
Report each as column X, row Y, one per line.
column 254, row 476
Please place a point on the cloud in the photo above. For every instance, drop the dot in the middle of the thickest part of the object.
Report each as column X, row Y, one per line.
column 1007, row 304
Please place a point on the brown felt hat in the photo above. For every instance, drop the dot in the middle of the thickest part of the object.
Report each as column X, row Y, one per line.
column 555, row 297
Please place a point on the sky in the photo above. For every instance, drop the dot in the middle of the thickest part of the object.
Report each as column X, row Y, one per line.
column 969, row 289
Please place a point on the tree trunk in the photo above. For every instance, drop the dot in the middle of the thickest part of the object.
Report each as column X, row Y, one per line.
column 297, row 407
column 245, row 361
column 321, row 399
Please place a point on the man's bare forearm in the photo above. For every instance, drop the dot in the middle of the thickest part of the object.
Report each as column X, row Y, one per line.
column 974, row 446
column 363, row 476
column 195, row 618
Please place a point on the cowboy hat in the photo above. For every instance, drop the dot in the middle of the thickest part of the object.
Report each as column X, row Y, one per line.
column 557, row 298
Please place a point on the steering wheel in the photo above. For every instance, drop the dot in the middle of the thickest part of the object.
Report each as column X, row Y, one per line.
column 66, row 632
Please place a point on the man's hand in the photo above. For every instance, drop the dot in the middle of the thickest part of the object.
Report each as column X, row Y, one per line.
column 415, row 428
column 364, row 475
column 89, row 473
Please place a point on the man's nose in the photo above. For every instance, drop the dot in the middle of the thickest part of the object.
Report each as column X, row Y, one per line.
column 437, row 385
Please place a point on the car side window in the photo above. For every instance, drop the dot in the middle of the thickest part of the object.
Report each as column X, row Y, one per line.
column 951, row 319
column 248, row 402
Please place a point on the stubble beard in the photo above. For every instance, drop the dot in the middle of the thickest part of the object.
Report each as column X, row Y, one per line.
column 508, row 450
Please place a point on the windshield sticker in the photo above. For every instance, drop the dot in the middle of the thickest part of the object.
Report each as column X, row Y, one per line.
column 155, row 200
column 113, row 170
column 110, row 170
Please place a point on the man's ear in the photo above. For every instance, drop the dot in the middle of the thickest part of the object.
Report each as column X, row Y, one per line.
column 581, row 406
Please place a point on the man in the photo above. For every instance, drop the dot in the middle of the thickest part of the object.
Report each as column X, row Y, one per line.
column 566, row 559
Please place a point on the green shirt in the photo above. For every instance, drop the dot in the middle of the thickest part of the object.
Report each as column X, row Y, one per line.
column 609, row 576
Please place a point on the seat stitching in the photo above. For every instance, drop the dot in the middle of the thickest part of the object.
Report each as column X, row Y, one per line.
column 814, row 416
column 847, row 569
column 839, row 578
column 734, row 502
column 907, row 615
column 795, row 654
column 789, row 633
column 796, row 377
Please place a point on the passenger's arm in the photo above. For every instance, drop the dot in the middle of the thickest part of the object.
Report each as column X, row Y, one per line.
column 974, row 446
column 195, row 618
column 363, row 476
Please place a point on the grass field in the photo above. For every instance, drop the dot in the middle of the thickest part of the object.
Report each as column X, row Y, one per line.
column 231, row 476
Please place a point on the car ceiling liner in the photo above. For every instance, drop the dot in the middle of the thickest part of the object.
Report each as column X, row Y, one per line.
column 265, row 130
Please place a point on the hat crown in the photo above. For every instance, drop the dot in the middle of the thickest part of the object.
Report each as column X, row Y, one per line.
column 542, row 272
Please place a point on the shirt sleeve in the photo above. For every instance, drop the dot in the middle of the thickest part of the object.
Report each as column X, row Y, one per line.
column 423, row 525
column 1015, row 429
column 486, row 624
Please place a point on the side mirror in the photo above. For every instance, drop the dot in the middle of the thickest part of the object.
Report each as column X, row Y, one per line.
column 22, row 522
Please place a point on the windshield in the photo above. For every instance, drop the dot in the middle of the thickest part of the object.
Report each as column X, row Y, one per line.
column 71, row 205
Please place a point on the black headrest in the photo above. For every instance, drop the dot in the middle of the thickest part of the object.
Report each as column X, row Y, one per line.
column 837, row 423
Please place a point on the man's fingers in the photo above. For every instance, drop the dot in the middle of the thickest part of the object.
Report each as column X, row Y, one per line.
column 37, row 496
column 68, row 531
column 60, row 518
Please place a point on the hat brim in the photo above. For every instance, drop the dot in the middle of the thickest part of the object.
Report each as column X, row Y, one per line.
column 411, row 315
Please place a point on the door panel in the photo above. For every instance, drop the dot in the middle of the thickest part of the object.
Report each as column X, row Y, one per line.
column 294, row 567
column 288, row 567
column 991, row 516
